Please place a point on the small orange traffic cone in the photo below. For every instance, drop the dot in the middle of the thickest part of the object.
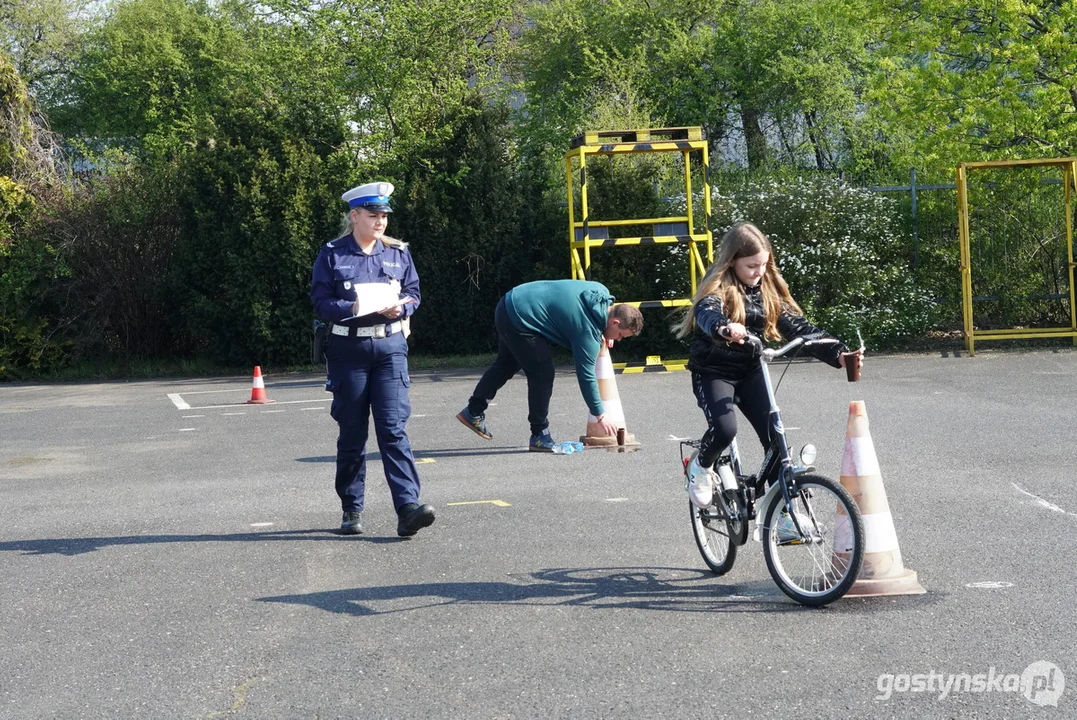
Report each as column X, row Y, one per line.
column 258, row 389
column 611, row 402
column 883, row 572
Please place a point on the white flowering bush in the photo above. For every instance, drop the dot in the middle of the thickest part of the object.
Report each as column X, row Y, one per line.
column 842, row 251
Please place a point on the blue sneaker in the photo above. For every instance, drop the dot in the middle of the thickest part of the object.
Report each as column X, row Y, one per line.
column 477, row 423
column 542, row 442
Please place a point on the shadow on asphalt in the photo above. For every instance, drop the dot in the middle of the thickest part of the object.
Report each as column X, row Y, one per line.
column 641, row 588
column 80, row 546
column 419, row 455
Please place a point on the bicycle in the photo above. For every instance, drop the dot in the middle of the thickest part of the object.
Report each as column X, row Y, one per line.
column 812, row 531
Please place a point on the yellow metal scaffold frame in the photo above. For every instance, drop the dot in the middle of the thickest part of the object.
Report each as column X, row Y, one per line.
column 588, row 233
column 1069, row 173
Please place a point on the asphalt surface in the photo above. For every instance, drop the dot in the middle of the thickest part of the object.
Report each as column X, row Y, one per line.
column 163, row 561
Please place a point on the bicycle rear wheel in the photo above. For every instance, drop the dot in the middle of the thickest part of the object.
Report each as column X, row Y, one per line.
column 820, row 566
column 714, row 538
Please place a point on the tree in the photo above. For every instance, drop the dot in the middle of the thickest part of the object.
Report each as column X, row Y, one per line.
column 779, row 80
column 159, row 76
column 983, row 79
column 40, row 37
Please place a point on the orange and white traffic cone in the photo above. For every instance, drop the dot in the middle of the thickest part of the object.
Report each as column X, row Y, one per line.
column 258, row 389
column 611, row 403
column 883, row 572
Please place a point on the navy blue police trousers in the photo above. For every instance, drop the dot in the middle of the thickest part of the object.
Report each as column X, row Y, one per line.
column 369, row 377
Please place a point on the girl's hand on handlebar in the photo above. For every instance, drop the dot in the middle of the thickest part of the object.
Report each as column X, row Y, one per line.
column 734, row 332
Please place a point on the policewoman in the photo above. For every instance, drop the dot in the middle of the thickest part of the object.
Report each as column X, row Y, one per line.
column 365, row 287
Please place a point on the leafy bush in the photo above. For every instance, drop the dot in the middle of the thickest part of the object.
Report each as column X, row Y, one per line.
column 28, row 262
column 253, row 214
column 459, row 207
column 842, row 251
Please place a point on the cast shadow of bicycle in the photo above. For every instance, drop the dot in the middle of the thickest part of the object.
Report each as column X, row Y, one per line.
column 640, row 588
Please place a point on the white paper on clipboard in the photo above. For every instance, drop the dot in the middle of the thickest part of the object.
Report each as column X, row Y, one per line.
column 375, row 297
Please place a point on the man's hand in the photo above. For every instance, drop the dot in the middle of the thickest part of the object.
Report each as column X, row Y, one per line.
column 608, row 428
column 393, row 313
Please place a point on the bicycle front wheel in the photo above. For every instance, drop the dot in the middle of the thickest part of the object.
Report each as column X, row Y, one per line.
column 820, row 564
column 714, row 539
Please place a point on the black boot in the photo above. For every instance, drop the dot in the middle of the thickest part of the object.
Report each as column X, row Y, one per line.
column 413, row 518
column 352, row 522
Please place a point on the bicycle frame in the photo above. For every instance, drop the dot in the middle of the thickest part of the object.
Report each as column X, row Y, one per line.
column 777, row 468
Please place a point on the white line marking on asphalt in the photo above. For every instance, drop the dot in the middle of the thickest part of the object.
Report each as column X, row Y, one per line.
column 261, row 524
column 208, row 392
column 990, row 585
column 187, row 429
column 227, row 414
column 1050, row 506
column 674, row 438
column 499, row 503
column 273, row 411
column 616, row 499
column 318, row 409
column 192, row 416
column 178, row 401
column 279, row 402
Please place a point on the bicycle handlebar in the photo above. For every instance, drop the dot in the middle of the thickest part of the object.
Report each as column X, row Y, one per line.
column 767, row 354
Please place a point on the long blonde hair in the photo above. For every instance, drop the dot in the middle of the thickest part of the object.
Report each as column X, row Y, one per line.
column 742, row 240
column 347, row 227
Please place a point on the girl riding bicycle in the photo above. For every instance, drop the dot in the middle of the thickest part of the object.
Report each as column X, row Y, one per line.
column 742, row 293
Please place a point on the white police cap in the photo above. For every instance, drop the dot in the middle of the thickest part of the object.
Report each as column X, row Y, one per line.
column 372, row 196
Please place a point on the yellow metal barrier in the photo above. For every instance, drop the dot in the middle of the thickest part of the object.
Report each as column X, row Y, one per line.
column 1069, row 175
column 587, row 232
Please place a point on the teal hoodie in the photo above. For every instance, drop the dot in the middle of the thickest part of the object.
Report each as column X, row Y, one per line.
column 569, row 313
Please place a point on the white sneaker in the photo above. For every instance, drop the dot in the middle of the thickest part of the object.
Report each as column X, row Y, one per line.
column 787, row 531
column 700, row 484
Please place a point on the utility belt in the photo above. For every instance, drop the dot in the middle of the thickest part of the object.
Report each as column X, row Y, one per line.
column 373, row 331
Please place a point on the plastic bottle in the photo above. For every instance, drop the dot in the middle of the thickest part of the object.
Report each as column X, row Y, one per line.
column 567, row 448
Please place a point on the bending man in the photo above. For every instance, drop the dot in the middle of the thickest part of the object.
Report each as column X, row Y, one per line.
column 575, row 314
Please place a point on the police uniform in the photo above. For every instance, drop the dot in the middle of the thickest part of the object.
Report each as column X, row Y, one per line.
column 367, row 362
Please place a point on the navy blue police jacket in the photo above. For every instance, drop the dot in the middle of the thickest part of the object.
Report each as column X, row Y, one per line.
column 341, row 265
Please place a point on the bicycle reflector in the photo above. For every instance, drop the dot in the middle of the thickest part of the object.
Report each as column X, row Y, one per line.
column 807, row 454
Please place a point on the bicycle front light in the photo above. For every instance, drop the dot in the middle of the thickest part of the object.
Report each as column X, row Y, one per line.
column 807, row 454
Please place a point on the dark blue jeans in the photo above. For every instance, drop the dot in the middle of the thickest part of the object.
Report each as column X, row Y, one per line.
column 518, row 350
column 369, row 376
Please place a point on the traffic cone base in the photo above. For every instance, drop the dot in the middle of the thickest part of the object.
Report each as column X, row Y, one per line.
column 595, row 438
column 258, row 389
column 904, row 583
column 882, row 572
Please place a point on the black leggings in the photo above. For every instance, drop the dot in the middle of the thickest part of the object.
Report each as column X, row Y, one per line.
column 516, row 350
column 716, row 397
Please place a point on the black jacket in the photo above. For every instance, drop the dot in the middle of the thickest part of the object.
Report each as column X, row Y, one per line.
column 711, row 355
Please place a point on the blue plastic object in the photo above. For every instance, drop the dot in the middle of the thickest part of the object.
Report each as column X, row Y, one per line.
column 567, row 448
